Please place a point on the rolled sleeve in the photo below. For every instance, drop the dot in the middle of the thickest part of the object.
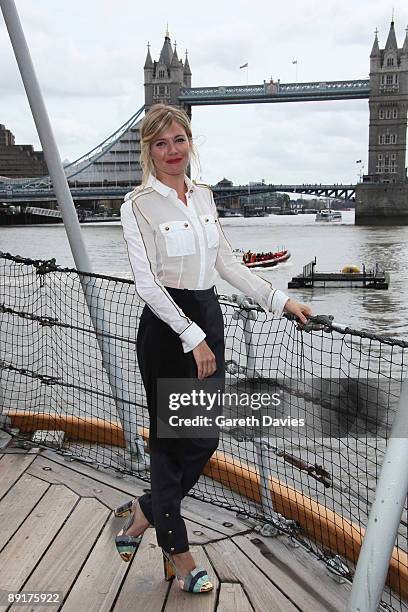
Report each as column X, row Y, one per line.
column 191, row 337
column 279, row 300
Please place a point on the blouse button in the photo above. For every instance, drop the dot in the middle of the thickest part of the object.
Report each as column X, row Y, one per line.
column 167, row 228
column 215, row 220
column 206, row 220
column 186, row 225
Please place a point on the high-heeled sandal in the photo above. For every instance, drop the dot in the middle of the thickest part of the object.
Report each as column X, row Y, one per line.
column 197, row 581
column 127, row 545
column 124, row 509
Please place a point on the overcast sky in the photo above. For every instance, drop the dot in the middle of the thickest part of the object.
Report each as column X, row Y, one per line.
column 89, row 57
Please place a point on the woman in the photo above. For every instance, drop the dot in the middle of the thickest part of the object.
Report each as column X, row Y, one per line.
column 176, row 247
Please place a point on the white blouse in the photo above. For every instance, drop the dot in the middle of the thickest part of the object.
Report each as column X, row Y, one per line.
column 171, row 244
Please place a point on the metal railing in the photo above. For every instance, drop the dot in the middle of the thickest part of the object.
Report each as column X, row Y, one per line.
column 316, row 484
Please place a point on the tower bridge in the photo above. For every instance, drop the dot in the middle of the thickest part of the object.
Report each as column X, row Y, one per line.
column 112, row 167
column 275, row 92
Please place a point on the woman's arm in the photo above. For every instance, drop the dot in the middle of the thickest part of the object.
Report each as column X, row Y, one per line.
column 237, row 274
column 142, row 256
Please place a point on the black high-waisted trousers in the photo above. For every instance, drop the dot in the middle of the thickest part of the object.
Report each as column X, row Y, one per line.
column 175, row 464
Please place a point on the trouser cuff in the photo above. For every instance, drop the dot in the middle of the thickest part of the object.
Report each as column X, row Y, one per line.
column 145, row 506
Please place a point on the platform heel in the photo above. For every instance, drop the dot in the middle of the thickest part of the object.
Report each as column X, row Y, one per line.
column 197, row 581
column 169, row 572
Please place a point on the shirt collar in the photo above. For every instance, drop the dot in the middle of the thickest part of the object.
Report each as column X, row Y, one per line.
column 163, row 189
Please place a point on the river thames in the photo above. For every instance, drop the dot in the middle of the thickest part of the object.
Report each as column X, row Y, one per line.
column 334, row 245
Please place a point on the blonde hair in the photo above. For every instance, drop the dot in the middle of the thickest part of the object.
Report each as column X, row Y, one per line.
column 158, row 119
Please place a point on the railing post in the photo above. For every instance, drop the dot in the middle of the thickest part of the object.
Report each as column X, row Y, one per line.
column 264, row 473
column 385, row 516
column 247, row 315
column 277, row 523
column 110, row 357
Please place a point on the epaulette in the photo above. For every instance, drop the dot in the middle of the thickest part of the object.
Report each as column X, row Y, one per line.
column 138, row 191
column 201, row 185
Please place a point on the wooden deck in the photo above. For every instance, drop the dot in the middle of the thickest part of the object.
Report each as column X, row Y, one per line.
column 58, row 535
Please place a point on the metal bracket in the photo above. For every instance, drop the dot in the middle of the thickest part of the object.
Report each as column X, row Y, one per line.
column 232, row 367
column 277, row 525
column 245, row 303
column 135, row 457
column 384, row 607
column 314, row 323
column 337, row 569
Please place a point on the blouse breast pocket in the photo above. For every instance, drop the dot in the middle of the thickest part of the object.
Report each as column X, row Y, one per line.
column 179, row 238
column 210, row 224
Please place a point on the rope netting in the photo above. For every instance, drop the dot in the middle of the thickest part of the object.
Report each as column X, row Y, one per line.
column 315, row 481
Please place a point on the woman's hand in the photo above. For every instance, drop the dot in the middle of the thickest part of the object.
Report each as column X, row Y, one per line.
column 301, row 311
column 205, row 360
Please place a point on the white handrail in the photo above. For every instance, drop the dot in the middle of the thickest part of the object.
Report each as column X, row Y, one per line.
column 384, row 518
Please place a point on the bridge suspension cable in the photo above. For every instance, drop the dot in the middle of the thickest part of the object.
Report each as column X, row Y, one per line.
column 85, row 161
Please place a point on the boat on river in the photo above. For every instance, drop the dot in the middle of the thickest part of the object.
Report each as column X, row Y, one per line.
column 328, row 215
column 262, row 261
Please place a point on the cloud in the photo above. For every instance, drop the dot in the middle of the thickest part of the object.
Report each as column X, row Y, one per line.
column 89, row 58
column 285, row 143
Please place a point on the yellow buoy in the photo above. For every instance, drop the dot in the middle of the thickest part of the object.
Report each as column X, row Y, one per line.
column 351, row 270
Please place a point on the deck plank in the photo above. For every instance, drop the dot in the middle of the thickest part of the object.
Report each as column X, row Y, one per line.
column 84, row 486
column 130, row 485
column 97, row 585
column 199, row 534
column 195, row 511
column 233, row 597
column 213, row 516
column 144, row 582
column 11, row 468
column 25, row 549
column 178, row 601
column 17, row 504
column 232, row 565
column 204, row 519
column 209, row 515
column 60, row 565
column 284, row 568
column 312, row 570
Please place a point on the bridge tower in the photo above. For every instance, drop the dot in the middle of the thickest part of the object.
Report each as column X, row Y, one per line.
column 164, row 78
column 388, row 110
column 383, row 195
